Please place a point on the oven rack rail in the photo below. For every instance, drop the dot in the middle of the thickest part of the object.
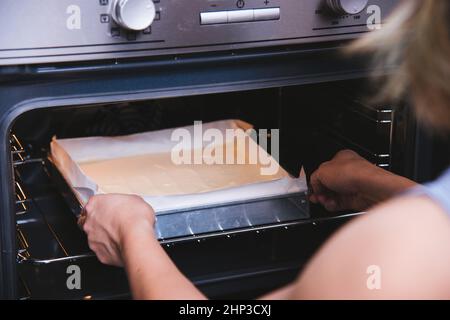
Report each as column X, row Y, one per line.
column 362, row 112
column 23, row 201
column 23, row 255
column 382, row 160
column 199, row 239
column 19, row 156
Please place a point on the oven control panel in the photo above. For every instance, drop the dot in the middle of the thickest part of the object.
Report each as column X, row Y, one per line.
column 76, row 30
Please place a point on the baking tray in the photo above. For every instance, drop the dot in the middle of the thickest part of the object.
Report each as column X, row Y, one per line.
column 211, row 220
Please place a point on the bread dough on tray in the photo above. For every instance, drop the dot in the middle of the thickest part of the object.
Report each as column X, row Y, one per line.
column 157, row 175
column 141, row 164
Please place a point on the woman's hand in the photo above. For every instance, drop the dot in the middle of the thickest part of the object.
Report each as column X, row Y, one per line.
column 120, row 231
column 110, row 220
column 349, row 182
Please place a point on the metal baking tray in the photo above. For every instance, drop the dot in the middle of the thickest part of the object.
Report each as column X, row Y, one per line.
column 208, row 221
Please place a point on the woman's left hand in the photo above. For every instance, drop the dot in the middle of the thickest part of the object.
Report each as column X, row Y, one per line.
column 110, row 220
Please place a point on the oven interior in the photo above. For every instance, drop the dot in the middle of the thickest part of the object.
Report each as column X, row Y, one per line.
column 315, row 122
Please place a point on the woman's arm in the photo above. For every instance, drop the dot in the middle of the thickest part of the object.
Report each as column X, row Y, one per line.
column 151, row 273
column 283, row 293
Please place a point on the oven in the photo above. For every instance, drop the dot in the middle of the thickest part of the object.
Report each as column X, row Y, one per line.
column 82, row 68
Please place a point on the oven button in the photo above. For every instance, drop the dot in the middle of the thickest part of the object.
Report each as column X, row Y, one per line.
column 345, row 7
column 136, row 15
column 240, row 16
column 216, row 17
column 267, row 14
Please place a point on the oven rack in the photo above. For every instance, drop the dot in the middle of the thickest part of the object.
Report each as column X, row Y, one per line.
column 25, row 208
column 58, row 225
column 383, row 160
column 203, row 223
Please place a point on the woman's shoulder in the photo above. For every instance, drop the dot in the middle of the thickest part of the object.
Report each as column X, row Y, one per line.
column 438, row 191
column 402, row 238
column 443, row 180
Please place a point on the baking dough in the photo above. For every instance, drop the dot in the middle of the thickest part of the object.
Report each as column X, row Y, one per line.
column 157, row 175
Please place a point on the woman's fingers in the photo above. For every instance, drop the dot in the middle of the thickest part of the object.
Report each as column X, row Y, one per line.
column 330, row 201
column 105, row 220
column 316, row 184
column 331, row 205
column 320, row 193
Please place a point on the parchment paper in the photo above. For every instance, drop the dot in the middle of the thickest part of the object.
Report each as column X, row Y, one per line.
column 141, row 164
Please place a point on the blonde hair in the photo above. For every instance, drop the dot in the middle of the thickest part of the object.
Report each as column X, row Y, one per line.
column 416, row 41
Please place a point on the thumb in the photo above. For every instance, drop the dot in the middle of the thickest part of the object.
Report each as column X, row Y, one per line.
column 316, row 184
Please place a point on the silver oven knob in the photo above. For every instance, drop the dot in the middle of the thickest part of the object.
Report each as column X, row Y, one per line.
column 344, row 7
column 134, row 15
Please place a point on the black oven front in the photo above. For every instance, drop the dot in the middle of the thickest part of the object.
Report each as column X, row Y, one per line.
column 81, row 69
